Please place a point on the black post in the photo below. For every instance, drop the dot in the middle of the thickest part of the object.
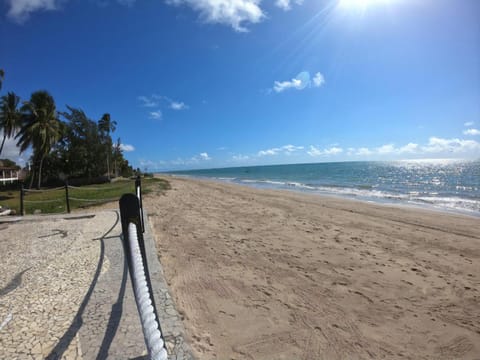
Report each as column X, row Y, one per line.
column 22, row 194
column 66, row 196
column 138, row 191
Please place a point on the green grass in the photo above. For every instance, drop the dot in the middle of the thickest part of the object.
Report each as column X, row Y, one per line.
column 53, row 201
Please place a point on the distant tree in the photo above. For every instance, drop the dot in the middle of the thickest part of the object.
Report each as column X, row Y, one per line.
column 2, row 77
column 105, row 126
column 81, row 145
column 40, row 128
column 9, row 116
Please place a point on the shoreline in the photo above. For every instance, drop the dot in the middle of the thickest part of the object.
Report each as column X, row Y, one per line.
column 268, row 274
column 379, row 201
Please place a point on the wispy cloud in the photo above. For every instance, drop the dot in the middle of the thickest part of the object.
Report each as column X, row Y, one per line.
column 363, row 151
column 240, row 158
column 287, row 4
column 315, row 151
column 156, row 115
column 469, row 123
column 204, row 156
column 471, row 132
column 156, row 101
column 439, row 145
column 149, row 101
column 178, row 105
column 286, row 149
column 127, row 147
column 20, row 10
column 234, row 13
column 435, row 145
column 300, row 82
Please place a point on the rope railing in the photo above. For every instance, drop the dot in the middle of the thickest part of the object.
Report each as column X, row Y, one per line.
column 79, row 196
column 134, row 247
column 42, row 201
column 94, row 200
column 44, row 190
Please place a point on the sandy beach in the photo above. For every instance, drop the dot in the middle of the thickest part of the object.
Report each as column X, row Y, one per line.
column 266, row 274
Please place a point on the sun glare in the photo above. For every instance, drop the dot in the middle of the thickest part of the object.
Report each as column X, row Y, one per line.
column 361, row 4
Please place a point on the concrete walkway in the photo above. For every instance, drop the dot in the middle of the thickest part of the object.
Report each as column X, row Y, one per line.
column 65, row 291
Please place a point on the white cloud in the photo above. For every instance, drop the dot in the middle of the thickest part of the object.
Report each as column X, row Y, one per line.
column 314, row 151
column 439, row 145
column 240, row 157
column 150, row 101
column 291, row 148
column 280, row 86
column 273, row 151
column 156, row 115
column 472, row 132
column 20, row 10
column 363, row 151
column 318, row 80
column 409, row 148
column 286, row 149
column 300, row 82
column 127, row 147
column 204, row 156
column 469, row 123
column 286, row 4
column 386, row 149
column 178, row 105
column 228, row 12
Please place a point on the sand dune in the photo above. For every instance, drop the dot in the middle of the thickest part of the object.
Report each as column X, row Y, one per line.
column 261, row 274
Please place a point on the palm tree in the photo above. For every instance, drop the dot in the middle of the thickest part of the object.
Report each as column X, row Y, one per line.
column 107, row 125
column 40, row 128
column 2, row 76
column 9, row 116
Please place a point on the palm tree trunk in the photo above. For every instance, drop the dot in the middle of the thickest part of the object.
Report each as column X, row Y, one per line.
column 108, row 167
column 40, row 172
column 32, row 177
column 3, row 142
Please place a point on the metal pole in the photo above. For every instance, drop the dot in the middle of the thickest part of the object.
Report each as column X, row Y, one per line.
column 21, row 199
column 66, row 196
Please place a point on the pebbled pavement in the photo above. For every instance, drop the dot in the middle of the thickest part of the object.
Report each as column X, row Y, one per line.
column 65, row 291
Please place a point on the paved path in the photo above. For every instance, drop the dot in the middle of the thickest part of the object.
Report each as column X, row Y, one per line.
column 65, row 291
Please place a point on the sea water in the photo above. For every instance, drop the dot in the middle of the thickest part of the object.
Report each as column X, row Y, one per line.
column 450, row 185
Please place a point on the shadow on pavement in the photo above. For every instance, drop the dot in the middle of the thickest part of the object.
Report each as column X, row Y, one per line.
column 77, row 322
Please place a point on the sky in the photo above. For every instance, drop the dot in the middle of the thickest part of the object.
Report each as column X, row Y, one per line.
column 218, row 83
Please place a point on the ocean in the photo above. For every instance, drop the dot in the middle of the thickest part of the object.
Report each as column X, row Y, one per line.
column 448, row 185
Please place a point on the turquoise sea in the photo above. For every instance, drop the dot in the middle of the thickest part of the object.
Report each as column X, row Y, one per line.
column 449, row 185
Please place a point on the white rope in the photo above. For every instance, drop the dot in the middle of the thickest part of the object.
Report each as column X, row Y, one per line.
column 150, row 327
column 42, row 201
column 44, row 190
column 93, row 200
column 87, row 187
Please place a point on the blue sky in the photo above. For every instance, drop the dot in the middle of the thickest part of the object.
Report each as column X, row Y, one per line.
column 205, row 83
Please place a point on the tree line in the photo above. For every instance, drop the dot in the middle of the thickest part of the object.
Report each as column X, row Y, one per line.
column 65, row 144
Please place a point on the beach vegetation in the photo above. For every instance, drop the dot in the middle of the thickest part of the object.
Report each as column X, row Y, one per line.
column 9, row 116
column 63, row 145
column 40, row 129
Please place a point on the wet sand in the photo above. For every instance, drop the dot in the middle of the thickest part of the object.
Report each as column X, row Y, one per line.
column 265, row 274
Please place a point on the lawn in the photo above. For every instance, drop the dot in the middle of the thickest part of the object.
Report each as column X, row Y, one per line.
column 49, row 201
